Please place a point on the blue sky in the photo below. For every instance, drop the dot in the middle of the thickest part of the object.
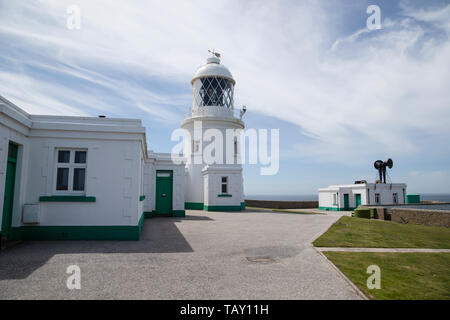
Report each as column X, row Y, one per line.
column 342, row 96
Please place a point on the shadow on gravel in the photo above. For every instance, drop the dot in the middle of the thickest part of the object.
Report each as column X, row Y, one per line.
column 159, row 235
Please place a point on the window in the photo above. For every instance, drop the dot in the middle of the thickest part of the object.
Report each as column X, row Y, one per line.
column 235, row 146
column 215, row 91
column 334, row 199
column 394, row 198
column 71, row 171
column 377, row 198
column 196, row 145
column 224, row 184
column 163, row 174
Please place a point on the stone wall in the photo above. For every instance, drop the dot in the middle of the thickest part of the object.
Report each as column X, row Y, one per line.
column 282, row 204
column 429, row 206
column 426, row 217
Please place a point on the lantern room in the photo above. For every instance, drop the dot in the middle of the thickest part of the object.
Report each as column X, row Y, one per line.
column 212, row 86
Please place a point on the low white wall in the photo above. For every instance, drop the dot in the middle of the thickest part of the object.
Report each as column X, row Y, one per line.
column 326, row 198
column 194, row 183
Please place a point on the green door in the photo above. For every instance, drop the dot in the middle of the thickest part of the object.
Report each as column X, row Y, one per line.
column 164, row 187
column 346, row 201
column 358, row 200
column 9, row 189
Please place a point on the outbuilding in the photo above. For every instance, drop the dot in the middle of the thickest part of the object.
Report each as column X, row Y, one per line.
column 349, row 197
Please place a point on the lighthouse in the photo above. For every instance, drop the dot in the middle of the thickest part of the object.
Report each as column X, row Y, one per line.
column 214, row 180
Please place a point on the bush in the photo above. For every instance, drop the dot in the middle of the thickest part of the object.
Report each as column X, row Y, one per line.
column 363, row 213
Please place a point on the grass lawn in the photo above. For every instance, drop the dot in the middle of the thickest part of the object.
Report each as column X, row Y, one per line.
column 369, row 233
column 403, row 275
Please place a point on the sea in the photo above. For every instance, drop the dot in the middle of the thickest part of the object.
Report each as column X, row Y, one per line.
column 442, row 197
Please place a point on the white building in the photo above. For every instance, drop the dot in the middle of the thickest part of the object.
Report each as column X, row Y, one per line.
column 349, row 197
column 213, row 186
column 93, row 178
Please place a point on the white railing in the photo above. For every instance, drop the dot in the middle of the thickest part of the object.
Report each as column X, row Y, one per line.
column 213, row 111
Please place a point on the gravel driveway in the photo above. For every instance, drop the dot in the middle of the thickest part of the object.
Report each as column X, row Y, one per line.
column 207, row 255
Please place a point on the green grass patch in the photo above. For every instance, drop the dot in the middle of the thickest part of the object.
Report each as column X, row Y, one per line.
column 408, row 276
column 365, row 233
column 258, row 208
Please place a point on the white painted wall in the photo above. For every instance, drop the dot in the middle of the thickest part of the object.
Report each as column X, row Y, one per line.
column 195, row 189
column 112, row 176
column 386, row 192
column 326, row 197
column 149, row 184
column 212, row 176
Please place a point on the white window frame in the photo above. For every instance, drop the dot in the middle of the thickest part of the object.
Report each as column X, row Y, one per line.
column 377, row 198
column 71, row 165
column 196, row 146
column 222, row 184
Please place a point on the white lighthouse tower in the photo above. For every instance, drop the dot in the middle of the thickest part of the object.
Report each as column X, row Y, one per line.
column 214, row 179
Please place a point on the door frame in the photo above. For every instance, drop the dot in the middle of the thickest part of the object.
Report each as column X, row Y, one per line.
column 9, row 196
column 169, row 178
column 346, row 203
column 358, row 196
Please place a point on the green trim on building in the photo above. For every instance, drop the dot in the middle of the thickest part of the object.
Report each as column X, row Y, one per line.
column 141, row 225
column 179, row 213
column 222, row 208
column 412, row 198
column 67, row 199
column 8, row 197
column 224, row 195
column 193, row 205
column 149, row 214
column 336, row 209
column 201, row 206
column 175, row 213
column 141, row 198
column 77, row 232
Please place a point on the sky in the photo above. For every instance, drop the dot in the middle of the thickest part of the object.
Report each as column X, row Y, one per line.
column 341, row 95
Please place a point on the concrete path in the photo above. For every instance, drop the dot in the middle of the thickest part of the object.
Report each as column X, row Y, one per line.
column 214, row 255
column 329, row 213
column 395, row 250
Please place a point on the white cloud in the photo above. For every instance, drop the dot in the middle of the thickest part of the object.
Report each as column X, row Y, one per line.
column 355, row 95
